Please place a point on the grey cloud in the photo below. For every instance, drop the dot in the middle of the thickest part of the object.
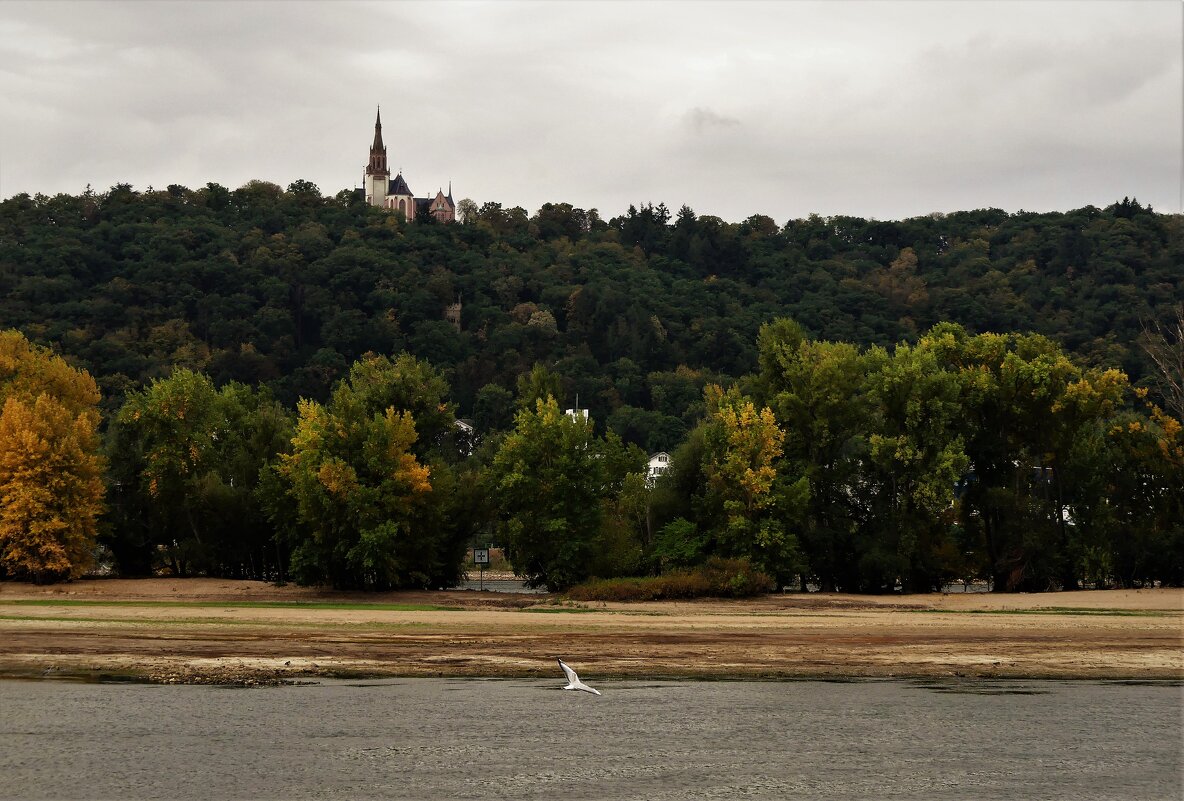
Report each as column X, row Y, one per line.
column 701, row 120
column 733, row 109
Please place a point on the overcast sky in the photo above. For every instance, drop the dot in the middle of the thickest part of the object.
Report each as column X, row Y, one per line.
column 875, row 109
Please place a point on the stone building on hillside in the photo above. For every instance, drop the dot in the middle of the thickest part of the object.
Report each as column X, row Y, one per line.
column 394, row 194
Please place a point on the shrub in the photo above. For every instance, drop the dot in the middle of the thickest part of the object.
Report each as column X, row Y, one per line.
column 726, row 578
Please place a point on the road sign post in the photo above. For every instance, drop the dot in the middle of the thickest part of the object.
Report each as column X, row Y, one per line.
column 481, row 559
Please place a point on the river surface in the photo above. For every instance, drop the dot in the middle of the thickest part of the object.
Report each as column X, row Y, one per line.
column 525, row 739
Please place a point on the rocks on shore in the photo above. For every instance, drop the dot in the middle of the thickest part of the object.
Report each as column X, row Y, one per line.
column 225, row 677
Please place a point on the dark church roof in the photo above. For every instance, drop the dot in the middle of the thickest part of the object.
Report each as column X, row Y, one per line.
column 399, row 186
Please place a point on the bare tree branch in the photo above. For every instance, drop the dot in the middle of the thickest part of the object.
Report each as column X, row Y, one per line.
column 1165, row 346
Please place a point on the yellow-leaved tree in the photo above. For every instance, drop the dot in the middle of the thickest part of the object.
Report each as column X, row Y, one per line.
column 353, row 498
column 741, row 448
column 51, row 490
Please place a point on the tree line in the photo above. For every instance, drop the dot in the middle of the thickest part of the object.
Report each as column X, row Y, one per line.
column 960, row 456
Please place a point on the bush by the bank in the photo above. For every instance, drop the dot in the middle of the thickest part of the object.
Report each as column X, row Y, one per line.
column 720, row 578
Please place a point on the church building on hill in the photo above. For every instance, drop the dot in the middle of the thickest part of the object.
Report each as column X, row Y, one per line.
column 395, row 195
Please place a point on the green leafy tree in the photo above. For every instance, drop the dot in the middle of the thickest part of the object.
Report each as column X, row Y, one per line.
column 366, row 514
column 185, row 459
column 538, row 385
column 915, row 461
column 625, row 497
column 354, row 483
column 467, row 211
column 1129, row 500
column 680, row 544
column 1027, row 409
column 493, row 409
column 549, row 478
column 817, row 391
column 163, row 446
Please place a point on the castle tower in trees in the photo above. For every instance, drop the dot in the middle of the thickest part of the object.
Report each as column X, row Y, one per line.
column 394, row 194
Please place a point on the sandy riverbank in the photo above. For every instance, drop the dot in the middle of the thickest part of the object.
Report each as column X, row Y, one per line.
column 212, row 630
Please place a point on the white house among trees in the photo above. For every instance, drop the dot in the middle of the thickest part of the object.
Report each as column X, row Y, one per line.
column 658, row 465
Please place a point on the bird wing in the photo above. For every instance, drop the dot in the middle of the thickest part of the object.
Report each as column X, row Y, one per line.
column 573, row 681
column 572, row 678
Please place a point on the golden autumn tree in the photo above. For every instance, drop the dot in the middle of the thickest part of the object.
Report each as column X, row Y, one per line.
column 51, row 491
column 741, row 448
column 744, row 443
column 352, row 494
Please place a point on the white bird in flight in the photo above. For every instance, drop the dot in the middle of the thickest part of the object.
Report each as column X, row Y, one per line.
column 573, row 681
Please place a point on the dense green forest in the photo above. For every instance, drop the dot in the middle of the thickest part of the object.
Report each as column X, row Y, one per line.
column 857, row 403
column 286, row 289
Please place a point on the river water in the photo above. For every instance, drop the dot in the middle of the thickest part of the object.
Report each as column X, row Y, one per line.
column 525, row 739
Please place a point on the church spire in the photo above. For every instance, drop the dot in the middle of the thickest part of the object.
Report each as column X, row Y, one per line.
column 377, row 165
column 378, row 131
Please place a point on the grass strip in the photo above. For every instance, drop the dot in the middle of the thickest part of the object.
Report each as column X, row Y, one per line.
column 210, row 621
column 313, row 605
column 1052, row 610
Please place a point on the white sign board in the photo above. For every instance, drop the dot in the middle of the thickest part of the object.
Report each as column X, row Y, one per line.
column 480, row 556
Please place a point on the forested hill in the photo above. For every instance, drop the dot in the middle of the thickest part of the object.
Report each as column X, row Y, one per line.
column 287, row 288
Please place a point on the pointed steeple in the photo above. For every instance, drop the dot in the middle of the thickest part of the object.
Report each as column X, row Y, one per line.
column 378, row 131
column 377, row 165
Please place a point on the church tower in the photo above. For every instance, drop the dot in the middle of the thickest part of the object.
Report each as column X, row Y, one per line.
column 382, row 191
column 378, row 174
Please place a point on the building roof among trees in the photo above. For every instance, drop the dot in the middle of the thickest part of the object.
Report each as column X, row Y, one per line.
column 399, row 186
